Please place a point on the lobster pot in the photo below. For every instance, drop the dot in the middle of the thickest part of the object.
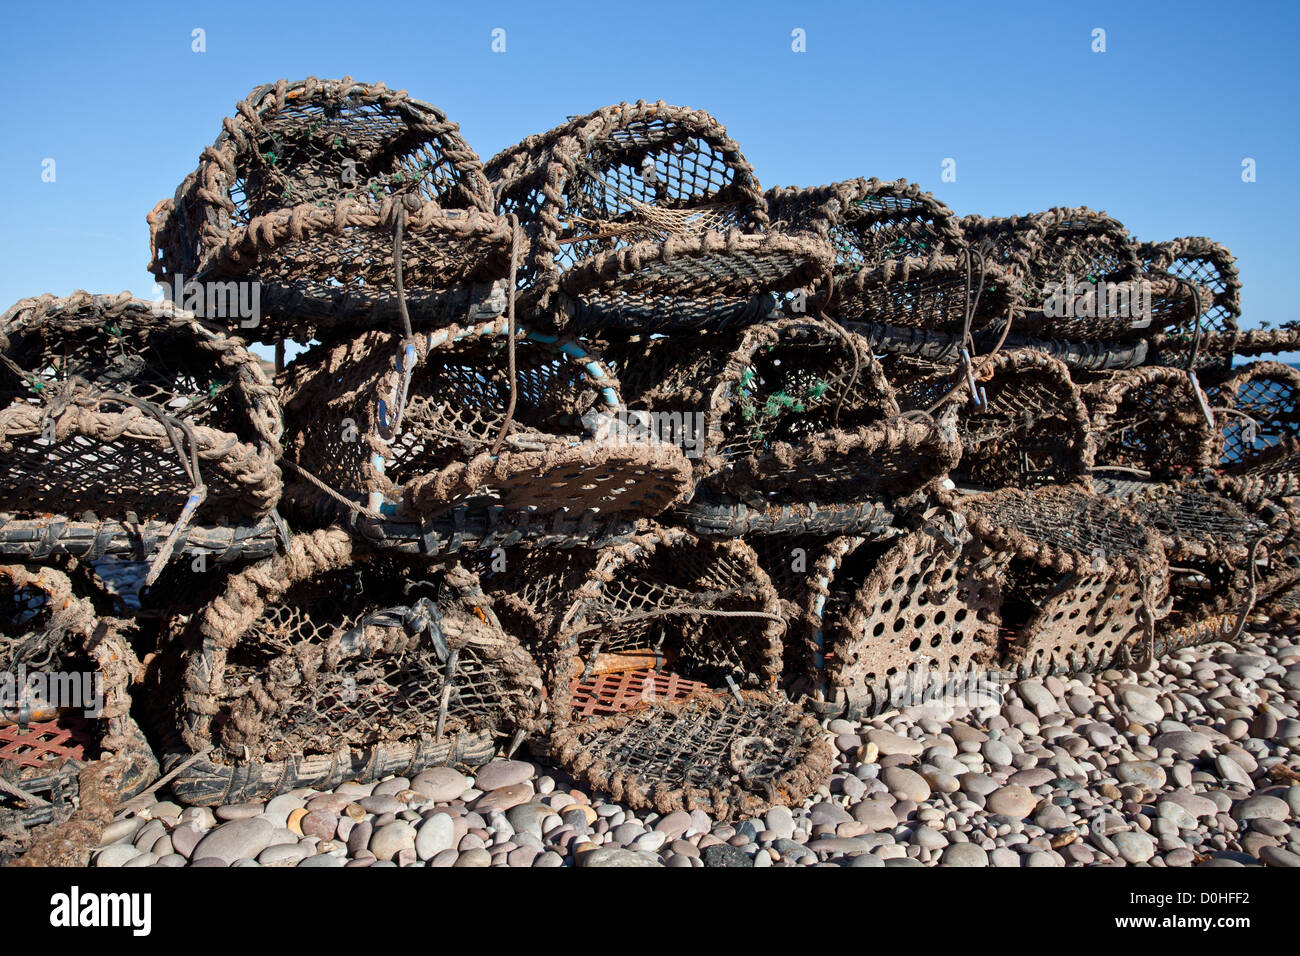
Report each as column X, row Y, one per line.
column 647, row 217
column 1228, row 552
column 659, row 616
column 1212, row 269
column 869, row 222
column 1064, row 263
column 407, row 429
column 1155, row 420
column 301, row 195
column 1083, row 581
column 64, row 706
column 1031, row 427
column 114, row 409
column 650, row 643
column 1258, row 410
column 884, row 622
column 311, row 670
column 730, row 755
column 787, row 413
column 900, row 259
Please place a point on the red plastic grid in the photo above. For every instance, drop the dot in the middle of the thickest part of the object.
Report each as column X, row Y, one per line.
column 616, row 693
column 47, row 743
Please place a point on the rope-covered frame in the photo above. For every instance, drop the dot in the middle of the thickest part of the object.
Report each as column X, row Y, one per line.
column 47, row 626
column 302, row 192
column 878, row 622
column 646, row 217
column 107, row 401
column 1212, row 268
column 664, row 601
column 794, row 412
column 410, row 426
column 1155, row 420
column 1083, row 581
column 313, row 668
column 1033, row 427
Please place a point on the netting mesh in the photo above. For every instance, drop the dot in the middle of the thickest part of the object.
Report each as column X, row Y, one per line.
column 722, row 754
column 304, row 187
column 793, row 410
column 646, row 198
column 1065, row 528
column 108, row 406
column 933, row 294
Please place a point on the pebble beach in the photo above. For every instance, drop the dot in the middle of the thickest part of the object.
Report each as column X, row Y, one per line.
column 1194, row 763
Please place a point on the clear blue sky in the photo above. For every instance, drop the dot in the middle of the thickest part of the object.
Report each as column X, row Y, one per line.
column 1153, row 131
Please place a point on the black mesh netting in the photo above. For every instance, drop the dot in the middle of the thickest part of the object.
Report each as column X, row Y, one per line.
column 724, row 754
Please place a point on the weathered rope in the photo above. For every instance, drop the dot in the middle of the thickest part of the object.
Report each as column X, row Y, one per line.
column 512, row 333
column 348, row 503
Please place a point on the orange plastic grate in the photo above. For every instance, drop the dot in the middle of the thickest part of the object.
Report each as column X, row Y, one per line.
column 616, row 693
column 47, row 743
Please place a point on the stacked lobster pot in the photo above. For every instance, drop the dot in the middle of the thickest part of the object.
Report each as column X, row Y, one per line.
column 334, row 206
column 1229, row 551
column 319, row 666
column 664, row 654
column 600, row 447
column 70, row 751
column 1081, row 291
column 1208, row 338
column 1084, row 581
column 877, row 621
column 1151, row 422
column 647, row 218
column 904, row 277
column 135, row 439
column 1257, row 409
column 131, row 429
column 488, row 431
